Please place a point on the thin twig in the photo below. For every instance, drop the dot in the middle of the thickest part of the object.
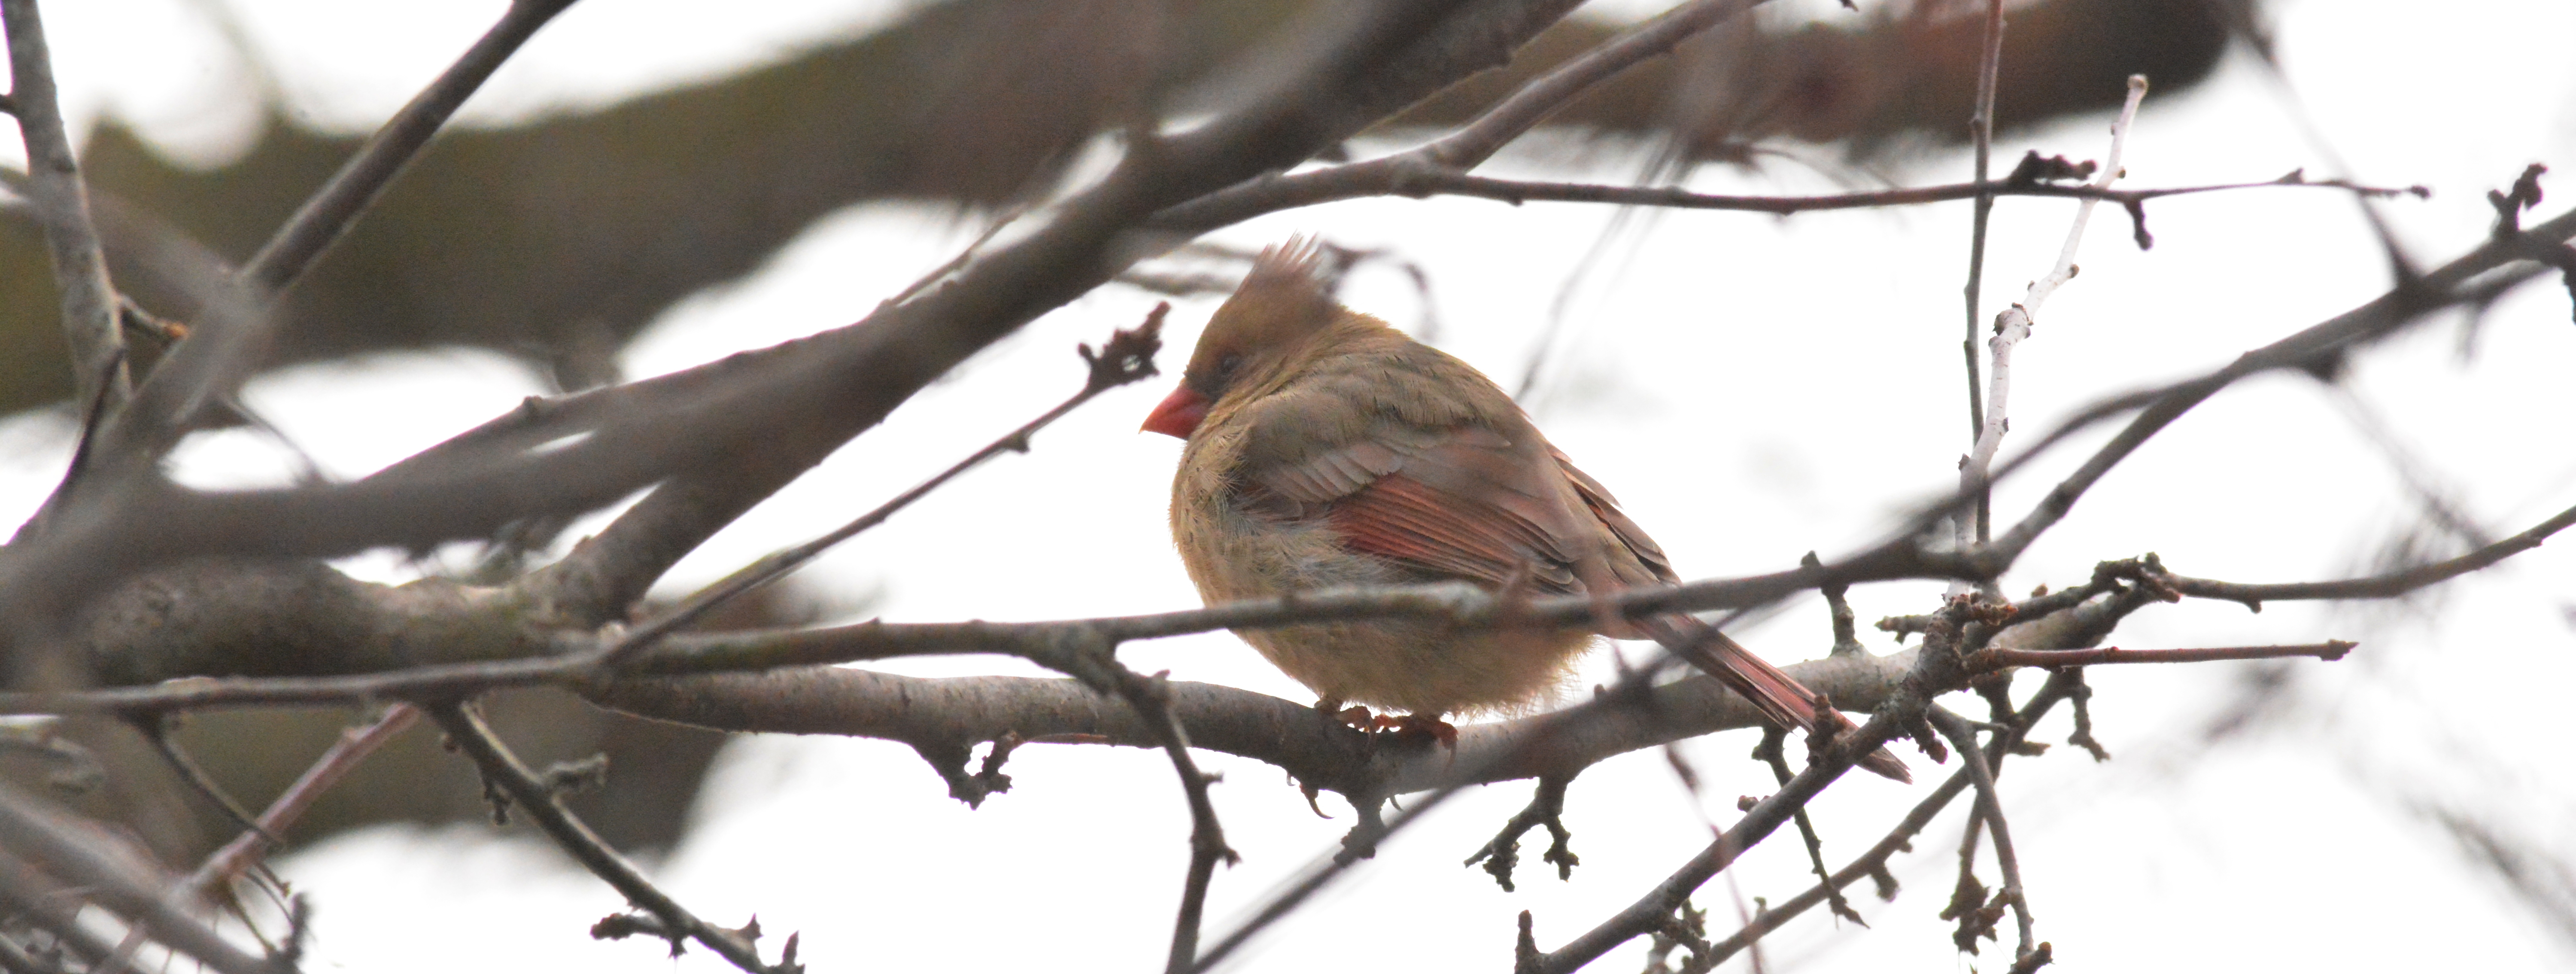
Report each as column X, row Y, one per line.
column 1769, row 814
column 1546, row 807
column 2387, row 585
column 1128, row 356
column 1981, row 131
column 330, row 211
column 346, row 753
column 39, row 901
column 1472, row 143
column 530, row 795
column 1991, row 810
column 1533, row 102
column 1996, row 657
column 1771, row 753
column 1898, row 839
column 67, row 849
column 1150, row 697
column 61, row 202
column 238, row 323
column 1419, row 180
column 2309, row 348
column 2013, row 326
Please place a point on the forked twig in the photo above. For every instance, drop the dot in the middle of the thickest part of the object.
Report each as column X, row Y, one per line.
column 503, row 770
column 1991, row 810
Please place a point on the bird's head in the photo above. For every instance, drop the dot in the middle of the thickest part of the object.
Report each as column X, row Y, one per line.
column 1254, row 336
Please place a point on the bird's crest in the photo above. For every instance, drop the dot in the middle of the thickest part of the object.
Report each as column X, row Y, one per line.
column 1297, row 264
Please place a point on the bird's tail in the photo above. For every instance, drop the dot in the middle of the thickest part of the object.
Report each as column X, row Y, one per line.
column 1780, row 697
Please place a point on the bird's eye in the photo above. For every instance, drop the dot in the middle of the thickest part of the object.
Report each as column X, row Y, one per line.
column 1225, row 366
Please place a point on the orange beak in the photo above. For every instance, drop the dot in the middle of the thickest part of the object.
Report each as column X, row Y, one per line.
column 1180, row 413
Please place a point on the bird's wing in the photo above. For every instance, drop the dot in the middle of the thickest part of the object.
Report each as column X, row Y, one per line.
column 1648, row 554
column 1464, row 502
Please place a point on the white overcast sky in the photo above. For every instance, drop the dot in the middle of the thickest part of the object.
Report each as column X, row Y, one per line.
column 1752, row 388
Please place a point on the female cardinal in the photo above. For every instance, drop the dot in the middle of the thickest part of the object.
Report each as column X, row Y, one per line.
column 1326, row 449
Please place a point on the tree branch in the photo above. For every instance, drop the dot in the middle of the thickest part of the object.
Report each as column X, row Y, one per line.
column 2382, row 586
column 1996, row 657
column 29, row 829
column 1991, row 810
column 61, row 203
column 502, row 769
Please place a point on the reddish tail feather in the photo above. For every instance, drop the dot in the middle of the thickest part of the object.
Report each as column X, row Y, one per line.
column 1779, row 696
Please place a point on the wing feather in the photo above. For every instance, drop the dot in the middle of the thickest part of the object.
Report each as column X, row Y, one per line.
column 1648, row 554
column 1462, row 502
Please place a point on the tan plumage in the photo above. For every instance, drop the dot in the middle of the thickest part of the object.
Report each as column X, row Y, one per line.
column 1326, row 449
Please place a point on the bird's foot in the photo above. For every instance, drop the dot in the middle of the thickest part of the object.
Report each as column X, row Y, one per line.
column 1416, row 727
column 1408, row 727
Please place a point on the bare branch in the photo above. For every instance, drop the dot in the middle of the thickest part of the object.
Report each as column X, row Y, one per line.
column 529, row 794
column 61, row 847
column 1898, row 839
column 1478, row 140
column 2013, row 326
column 352, row 747
column 2311, row 348
column 1648, row 913
column 61, row 202
column 1420, row 181
column 1981, row 132
column 1991, row 811
column 1996, row 657
column 1388, row 56
column 328, row 213
column 1152, row 700
column 2383, row 586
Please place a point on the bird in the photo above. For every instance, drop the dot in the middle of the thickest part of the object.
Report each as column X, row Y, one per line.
column 1324, row 448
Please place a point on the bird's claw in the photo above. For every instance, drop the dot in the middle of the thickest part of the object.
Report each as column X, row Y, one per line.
column 1404, row 728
